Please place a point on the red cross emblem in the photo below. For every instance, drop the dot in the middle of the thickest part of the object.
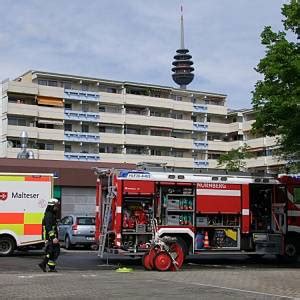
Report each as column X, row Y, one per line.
column 3, row 196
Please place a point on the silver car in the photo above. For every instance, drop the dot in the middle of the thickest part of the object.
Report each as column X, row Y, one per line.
column 77, row 230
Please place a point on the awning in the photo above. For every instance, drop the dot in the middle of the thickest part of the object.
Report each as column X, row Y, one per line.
column 53, row 122
column 41, row 100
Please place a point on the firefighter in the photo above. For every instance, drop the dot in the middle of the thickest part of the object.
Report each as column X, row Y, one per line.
column 52, row 247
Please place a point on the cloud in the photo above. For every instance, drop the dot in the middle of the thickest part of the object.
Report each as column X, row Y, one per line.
column 136, row 40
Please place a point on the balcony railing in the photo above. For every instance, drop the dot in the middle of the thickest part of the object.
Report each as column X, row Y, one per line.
column 201, row 145
column 82, row 116
column 81, row 95
column 82, row 156
column 82, row 137
column 200, row 126
column 200, row 163
column 200, row 108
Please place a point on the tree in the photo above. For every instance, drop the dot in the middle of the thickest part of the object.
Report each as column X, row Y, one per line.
column 234, row 160
column 276, row 98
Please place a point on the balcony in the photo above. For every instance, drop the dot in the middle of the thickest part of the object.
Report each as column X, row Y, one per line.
column 216, row 109
column 82, row 156
column 79, row 95
column 84, row 137
column 50, row 134
column 179, row 162
column 200, row 108
column 200, row 163
column 22, row 109
column 200, row 145
column 15, row 131
column 21, row 87
column 82, row 116
column 38, row 154
column 200, row 126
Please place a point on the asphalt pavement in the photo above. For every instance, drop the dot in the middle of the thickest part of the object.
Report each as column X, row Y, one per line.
column 82, row 275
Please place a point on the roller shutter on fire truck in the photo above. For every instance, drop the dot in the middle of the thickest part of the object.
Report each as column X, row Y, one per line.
column 215, row 198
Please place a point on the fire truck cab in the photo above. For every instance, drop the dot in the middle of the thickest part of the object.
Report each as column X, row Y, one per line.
column 208, row 214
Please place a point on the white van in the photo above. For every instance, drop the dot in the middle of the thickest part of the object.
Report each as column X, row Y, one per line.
column 23, row 200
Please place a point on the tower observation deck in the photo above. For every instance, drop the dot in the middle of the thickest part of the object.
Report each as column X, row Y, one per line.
column 182, row 70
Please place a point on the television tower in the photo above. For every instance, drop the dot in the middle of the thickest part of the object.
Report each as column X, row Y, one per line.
column 182, row 70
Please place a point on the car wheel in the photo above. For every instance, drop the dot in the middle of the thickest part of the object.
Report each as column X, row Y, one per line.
column 68, row 244
column 7, row 246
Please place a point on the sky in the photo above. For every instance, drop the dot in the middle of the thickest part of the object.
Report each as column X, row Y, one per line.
column 135, row 40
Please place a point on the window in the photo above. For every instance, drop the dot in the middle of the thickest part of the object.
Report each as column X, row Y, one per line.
column 213, row 156
column 111, row 90
column 68, row 106
column 52, row 82
column 177, row 116
column 16, row 121
column 66, row 85
column 49, row 146
column 156, row 152
column 135, row 150
column 67, row 221
column 68, row 148
column 14, row 143
column 49, row 126
column 68, row 127
column 155, row 114
column 178, row 154
column 42, row 82
column 133, row 131
column 85, row 87
column 176, row 97
column 86, row 221
column 84, row 128
column 85, row 107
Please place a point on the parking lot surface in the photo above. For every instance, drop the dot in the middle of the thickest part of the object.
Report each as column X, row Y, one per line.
column 83, row 276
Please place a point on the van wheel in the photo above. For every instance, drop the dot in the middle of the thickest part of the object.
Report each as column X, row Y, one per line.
column 68, row 244
column 7, row 246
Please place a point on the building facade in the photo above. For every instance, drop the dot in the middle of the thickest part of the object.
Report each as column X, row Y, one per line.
column 77, row 118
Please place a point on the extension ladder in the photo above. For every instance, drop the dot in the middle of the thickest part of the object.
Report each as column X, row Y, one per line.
column 106, row 214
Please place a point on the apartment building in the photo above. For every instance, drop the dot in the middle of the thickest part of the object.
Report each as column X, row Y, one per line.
column 85, row 119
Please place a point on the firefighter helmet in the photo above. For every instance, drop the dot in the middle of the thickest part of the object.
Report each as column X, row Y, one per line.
column 52, row 202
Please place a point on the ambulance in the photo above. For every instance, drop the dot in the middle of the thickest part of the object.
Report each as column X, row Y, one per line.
column 23, row 200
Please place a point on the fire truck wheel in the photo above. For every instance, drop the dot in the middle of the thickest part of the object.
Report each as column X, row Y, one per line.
column 162, row 261
column 290, row 253
column 7, row 246
column 183, row 245
column 179, row 256
column 290, row 250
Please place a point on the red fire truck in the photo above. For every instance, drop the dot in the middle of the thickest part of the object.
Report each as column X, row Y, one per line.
column 208, row 214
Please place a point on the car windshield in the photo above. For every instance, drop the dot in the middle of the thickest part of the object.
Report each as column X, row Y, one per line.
column 85, row 221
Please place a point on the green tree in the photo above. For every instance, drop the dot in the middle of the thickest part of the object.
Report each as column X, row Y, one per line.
column 234, row 160
column 276, row 97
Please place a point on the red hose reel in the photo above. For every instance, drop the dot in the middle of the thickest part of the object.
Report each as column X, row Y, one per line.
column 160, row 258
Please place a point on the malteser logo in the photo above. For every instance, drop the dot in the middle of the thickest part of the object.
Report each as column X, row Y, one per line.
column 3, row 196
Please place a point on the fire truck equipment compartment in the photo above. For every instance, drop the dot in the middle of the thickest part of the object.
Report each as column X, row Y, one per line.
column 138, row 187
